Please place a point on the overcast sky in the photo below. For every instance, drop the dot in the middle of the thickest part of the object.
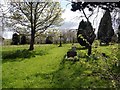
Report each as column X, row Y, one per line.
column 71, row 19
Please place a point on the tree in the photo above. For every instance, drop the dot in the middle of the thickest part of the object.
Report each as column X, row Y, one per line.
column 3, row 16
column 105, row 31
column 60, row 45
column 49, row 40
column 23, row 39
column 86, row 35
column 118, row 34
column 38, row 16
column 40, row 38
column 91, row 5
column 81, row 6
column 15, row 39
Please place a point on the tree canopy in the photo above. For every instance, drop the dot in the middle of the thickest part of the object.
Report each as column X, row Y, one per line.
column 81, row 6
column 36, row 16
column 86, row 35
column 15, row 39
column 105, row 31
column 91, row 5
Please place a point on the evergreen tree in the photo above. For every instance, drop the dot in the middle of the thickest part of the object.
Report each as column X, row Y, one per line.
column 23, row 39
column 86, row 35
column 15, row 39
column 49, row 40
column 105, row 31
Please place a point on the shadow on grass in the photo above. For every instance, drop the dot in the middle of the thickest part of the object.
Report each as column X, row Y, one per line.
column 20, row 54
column 83, row 48
column 76, row 74
column 69, row 75
column 79, row 74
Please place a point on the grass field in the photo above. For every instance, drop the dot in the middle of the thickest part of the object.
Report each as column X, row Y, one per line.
column 46, row 67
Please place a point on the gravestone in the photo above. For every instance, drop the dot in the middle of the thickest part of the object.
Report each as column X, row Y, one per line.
column 72, row 52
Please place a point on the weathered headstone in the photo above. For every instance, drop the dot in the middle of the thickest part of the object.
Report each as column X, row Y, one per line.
column 72, row 52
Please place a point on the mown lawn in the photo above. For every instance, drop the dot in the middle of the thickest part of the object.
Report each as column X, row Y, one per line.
column 46, row 67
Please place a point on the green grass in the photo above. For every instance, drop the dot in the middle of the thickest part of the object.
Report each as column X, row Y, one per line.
column 46, row 67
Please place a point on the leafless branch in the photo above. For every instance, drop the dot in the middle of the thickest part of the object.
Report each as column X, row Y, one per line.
column 46, row 26
column 85, row 15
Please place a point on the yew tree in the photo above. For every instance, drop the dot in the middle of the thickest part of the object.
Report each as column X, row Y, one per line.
column 86, row 35
column 23, row 40
column 87, row 39
column 15, row 39
column 105, row 30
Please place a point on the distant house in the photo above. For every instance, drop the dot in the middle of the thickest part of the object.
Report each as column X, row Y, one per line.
column 1, row 40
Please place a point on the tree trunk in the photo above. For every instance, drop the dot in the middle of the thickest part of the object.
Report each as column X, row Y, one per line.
column 32, row 40
column 118, row 38
column 60, row 42
column 32, row 28
column 89, row 50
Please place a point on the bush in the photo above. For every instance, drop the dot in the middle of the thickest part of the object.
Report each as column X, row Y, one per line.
column 49, row 40
column 23, row 39
column 15, row 39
